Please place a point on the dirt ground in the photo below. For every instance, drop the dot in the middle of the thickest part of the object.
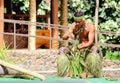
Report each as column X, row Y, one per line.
column 44, row 61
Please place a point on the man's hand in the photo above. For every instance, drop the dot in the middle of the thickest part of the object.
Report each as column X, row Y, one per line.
column 68, row 35
column 80, row 46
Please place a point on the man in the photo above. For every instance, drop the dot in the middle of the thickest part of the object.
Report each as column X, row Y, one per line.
column 81, row 30
column 85, row 31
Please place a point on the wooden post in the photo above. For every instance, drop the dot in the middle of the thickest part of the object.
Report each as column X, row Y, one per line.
column 96, row 20
column 1, row 23
column 32, row 28
column 64, row 13
column 46, row 16
column 54, row 20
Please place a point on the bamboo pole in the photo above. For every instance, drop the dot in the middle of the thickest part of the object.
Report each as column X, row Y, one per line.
column 96, row 20
column 6, row 64
column 32, row 28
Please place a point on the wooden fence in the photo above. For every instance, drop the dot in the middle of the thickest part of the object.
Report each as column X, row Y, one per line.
column 21, row 28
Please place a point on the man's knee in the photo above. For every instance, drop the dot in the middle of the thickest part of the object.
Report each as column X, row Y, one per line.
column 63, row 50
column 96, row 49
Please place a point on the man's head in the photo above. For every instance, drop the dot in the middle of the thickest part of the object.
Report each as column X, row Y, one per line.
column 79, row 18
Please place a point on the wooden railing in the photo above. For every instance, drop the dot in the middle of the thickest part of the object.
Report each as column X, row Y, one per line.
column 23, row 29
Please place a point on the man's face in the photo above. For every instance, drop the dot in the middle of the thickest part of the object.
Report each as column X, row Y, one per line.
column 79, row 23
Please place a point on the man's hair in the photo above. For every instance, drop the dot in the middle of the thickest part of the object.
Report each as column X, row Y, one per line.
column 78, row 14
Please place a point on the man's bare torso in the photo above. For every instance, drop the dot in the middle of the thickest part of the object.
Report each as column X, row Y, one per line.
column 83, row 34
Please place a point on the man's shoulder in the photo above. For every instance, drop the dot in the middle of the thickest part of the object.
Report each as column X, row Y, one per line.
column 72, row 25
column 90, row 26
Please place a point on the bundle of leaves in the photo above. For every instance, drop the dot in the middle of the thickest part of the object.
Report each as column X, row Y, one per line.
column 77, row 64
column 71, row 64
column 94, row 64
column 74, row 63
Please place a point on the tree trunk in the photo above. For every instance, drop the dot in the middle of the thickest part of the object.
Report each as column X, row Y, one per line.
column 1, row 23
column 54, row 20
column 64, row 14
column 32, row 28
column 64, row 18
column 96, row 20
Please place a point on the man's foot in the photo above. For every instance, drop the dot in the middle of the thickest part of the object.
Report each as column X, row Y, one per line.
column 67, row 75
column 83, row 75
column 90, row 75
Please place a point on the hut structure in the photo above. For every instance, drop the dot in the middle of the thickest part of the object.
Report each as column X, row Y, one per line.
column 21, row 28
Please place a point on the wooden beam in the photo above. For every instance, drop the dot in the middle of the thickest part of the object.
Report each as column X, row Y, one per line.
column 1, row 23
column 32, row 28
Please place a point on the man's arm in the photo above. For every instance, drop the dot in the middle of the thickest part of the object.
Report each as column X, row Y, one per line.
column 91, row 36
column 69, row 33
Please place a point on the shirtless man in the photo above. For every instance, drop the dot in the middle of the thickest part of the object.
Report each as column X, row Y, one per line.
column 85, row 31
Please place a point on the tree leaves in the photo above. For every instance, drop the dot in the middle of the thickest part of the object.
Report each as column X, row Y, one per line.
column 115, row 55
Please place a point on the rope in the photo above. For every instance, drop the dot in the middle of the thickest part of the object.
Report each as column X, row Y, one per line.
column 109, row 45
column 60, row 27
column 109, row 32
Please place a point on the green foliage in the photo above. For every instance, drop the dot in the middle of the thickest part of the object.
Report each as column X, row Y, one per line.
column 62, row 65
column 4, row 54
column 71, row 64
column 23, row 76
column 76, row 63
column 94, row 64
column 42, row 7
column 111, row 78
column 112, row 55
column 109, row 19
column 86, row 6
column 22, row 4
